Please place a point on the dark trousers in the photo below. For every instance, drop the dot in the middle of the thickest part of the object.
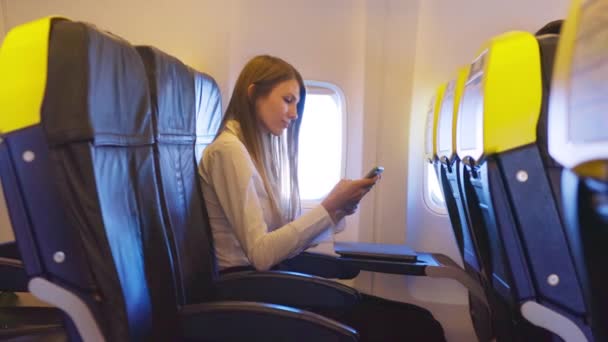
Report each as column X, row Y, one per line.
column 379, row 319
column 382, row 320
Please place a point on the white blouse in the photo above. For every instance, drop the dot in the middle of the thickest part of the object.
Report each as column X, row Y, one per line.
column 245, row 231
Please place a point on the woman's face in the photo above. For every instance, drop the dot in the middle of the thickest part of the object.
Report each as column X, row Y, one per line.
column 278, row 109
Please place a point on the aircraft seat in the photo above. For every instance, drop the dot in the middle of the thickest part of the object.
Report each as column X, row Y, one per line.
column 77, row 164
column 449, row 163
column 505, row 177
column 462, row 222
column 577, row 138
column 172, row 93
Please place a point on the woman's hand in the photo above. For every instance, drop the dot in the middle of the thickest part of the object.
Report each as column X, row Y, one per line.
column 345, row 196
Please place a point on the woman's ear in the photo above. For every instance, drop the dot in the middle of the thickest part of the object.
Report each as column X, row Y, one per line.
column 250, row 91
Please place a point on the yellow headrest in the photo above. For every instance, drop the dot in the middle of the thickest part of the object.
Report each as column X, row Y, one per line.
column 446, row 126
column 23, row 70
column 578, row 120
column 430, row 147
column 502, row 98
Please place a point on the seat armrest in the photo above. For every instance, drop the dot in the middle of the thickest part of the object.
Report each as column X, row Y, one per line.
column 321, row 265
column 392, row 266
column 247, row 321
column 12, row 276
column 287, row 288
column 432, row 265
column 9, row 250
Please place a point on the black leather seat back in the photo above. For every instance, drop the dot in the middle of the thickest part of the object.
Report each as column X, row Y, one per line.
column 180, row 96
column 464, row 224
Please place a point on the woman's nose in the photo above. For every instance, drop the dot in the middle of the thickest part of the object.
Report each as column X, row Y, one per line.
column 293, row 113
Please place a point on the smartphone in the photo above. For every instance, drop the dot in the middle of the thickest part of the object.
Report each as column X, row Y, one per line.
column 374, row 172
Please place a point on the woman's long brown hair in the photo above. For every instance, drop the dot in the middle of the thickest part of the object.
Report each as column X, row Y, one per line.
column 276, row 158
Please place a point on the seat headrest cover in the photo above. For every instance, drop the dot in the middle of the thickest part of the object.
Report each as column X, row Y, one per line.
column 446, row 125
column 172, row 93
column 23, row 69
column 502, row 98
column 578, row 119
column 430, row 146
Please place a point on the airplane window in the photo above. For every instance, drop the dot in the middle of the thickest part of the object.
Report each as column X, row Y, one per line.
column 434, row 193
column 320, row 164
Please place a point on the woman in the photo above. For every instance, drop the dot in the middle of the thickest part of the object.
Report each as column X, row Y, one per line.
column 250, row 178
column 250, row 185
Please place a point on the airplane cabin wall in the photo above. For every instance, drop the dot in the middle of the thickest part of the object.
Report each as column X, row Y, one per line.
column 5, row 234
column 2, row 21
